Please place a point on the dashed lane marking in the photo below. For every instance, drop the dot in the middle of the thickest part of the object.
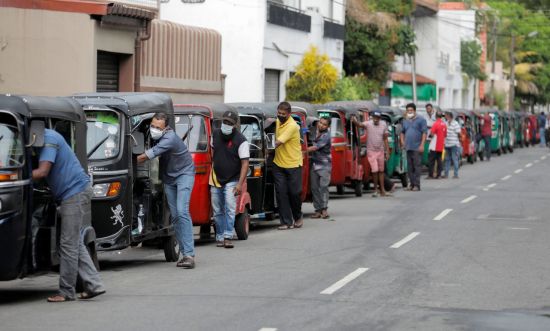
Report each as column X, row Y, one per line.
column 344, row 281
column 506, row 177
column 405, row 240
column 442, row 214
column 468, row 199
column 518, row 171
column 492, row 185
column 268, row 329
column 528, row 165
column 519, row 228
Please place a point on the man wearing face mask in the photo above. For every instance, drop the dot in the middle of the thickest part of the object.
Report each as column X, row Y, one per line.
column 287, row 168
column 178, row 176
column 230, row 165
column 413, row 137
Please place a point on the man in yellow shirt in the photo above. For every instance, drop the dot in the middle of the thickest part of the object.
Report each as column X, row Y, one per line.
column 287, row 169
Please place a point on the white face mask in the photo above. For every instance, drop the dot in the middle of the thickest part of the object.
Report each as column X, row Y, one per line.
column 226, row 129
column 156, row 133
column 410, row 115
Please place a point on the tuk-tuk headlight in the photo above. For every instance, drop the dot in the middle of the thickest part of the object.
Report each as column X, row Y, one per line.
column 107, row 189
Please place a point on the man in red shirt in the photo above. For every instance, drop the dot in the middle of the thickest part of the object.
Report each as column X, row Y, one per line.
column 486, row 132
column 437, row 145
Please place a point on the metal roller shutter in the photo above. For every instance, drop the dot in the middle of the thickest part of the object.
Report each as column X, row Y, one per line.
column 271, row 85
column 107, row 72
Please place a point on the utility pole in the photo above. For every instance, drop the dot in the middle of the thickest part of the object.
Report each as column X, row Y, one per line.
column 413, row 69
column 512, row 73
column 493, row 61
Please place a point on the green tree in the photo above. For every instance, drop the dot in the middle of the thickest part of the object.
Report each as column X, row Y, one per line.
column 470, row 52
column 314, row 80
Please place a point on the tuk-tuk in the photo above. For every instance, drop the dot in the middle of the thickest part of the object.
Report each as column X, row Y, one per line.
column 467, row 135
column 195, row 124
column 505, row 132
column 29, row 222
column 396, row 166
column 496, row 131
column 533, row 129
column 128, row 203
column 347, row 169
column 519, row 129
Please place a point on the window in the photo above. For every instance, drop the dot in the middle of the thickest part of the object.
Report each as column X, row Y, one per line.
column 250, row 128
column 103, row 136
column 193, row 128
column 11, row 144
column 271, row 85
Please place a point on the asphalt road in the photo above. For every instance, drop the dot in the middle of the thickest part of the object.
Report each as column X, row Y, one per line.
column 466, row 254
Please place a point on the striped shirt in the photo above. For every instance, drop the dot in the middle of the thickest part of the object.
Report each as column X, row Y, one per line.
column 453, row 130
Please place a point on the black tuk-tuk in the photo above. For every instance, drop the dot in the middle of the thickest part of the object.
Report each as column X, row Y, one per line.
column 129, row 206
column 29, row 231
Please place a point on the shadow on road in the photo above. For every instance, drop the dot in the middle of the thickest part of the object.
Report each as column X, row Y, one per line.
column 13, row 296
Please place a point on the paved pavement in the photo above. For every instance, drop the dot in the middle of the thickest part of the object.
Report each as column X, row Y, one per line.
column 466, row 254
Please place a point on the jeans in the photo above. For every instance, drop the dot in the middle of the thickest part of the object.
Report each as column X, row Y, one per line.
column 487, row 140
column 320, row 180
column 288, row 185
column 542, row 137
column 434, row 160
column 451, row 154
column 178, row 195
column 414, row 163
column 224, row 203
column 74, row 257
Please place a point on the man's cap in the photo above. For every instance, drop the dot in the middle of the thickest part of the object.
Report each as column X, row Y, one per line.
column 376, row 113
column 231, row 117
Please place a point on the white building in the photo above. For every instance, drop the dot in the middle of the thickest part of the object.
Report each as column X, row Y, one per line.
column 438, row 38
column 263, row 41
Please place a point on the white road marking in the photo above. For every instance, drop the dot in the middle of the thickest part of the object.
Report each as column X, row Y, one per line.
column 537, row 161
column 518, row 171
column 342, row 282
column 442, row 214
column 506, row 177
column 468, row 199
column 528, row 165
column 492, row 185
column 268, row 329
column 405, row 240
column 519, row 228
column 486, row 189
column 543, row 157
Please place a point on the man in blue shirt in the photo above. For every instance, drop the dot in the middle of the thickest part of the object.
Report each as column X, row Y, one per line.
column 178, row 176
column 542, row 129
column 413, row 137
column 70, row 186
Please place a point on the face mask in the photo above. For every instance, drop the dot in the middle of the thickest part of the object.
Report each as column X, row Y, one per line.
column 156, row 133
column 226, row 129
column 410, row 115
column 282, row 119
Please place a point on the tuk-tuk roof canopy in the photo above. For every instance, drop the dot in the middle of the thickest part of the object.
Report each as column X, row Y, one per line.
column 129, row 103
column 269, row 109
column 38, row 107
column 361, row 105
column 214, row 110
column 345, row 108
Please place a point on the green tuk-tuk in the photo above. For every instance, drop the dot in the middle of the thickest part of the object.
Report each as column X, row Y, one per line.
column 396, row 165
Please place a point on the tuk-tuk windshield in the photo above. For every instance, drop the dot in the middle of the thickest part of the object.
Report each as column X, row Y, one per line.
column 11, row 144
column 250, row 128
column 103, row 136
column 196, row 138
column 336, row 125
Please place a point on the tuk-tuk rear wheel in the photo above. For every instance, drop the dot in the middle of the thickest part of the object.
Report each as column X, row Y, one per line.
column 358, row 188
column 242, row 225
column 340, row 189
column 404, row 179
column 171, row 248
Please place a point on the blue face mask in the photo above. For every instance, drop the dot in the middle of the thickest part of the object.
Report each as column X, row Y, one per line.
column 226, row 129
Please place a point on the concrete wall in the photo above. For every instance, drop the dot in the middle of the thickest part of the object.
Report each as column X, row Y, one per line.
column 46, row 52
column 241, row 24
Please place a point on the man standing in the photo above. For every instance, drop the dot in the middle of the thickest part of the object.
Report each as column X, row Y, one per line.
column 378, row 149
column 287, row 168
column 431, row 115
column 321, row 166
column 70, row 186
column 178, row 176
column 229, row 168
column 413, row 137
column 542, row 129
column 452, row 145
column 486, row 133
column 438, row 133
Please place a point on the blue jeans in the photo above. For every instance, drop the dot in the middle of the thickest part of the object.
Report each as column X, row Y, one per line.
column 224, row 203
column 178, row 195
column 487, row 140
column 542, row 137
column 451, row 153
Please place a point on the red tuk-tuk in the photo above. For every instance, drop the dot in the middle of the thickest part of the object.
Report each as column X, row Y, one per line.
column 467, row 140
column 533, row 129
column 347, row 167
column 195, row 124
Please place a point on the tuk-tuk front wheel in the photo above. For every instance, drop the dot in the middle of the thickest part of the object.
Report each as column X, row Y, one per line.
column 358, row 188
column 404, row 179
column 242, row 225
column 499, row 151
column 340, row 189
column 171, row 248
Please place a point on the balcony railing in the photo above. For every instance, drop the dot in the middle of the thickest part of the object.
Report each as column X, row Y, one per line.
column 334, row 30
column 288, row 17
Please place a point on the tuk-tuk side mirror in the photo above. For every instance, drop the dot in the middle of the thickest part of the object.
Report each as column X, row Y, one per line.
column 36, row 134
column 138, row 142
column 270, row 139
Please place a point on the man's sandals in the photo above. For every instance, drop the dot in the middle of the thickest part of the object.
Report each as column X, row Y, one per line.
column 82, row 296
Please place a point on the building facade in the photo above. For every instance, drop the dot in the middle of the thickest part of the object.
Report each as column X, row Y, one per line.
column 264, row 41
